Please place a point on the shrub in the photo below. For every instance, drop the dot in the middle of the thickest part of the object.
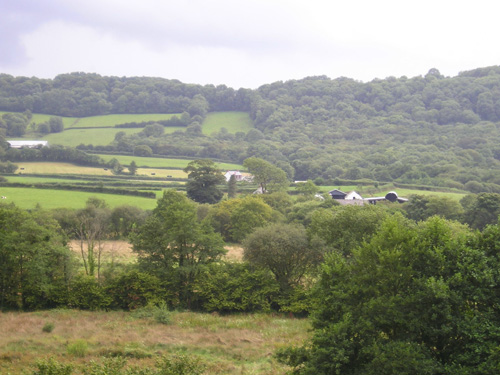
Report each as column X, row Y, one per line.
column 78, row 348
column 48, row 327
column 159, row 313
column 52, row 367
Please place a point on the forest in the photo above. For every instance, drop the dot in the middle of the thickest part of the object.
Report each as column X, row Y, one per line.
column 426, row 130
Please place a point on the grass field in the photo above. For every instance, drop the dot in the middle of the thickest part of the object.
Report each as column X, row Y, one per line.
column 162, row 162
column 231, row 344
column 96, row 137
column 233, row 122
column 112, row 120
column 59, row 168
column 29, row 198
column 175, row 173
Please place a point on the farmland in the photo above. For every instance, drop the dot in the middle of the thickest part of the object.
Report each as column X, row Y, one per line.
column 152, row 162
column 231, row 344
column 29, row 198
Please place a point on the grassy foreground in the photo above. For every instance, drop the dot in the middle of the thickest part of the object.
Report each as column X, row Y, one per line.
column 234, row 344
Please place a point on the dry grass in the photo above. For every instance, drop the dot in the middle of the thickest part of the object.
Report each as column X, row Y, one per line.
column 234, row 253
column 237, row 344
column 121, row 251
column 113, row 251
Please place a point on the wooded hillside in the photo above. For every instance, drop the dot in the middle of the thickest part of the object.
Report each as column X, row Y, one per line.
column 426, row 130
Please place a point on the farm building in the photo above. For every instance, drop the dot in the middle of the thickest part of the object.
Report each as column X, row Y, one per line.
column 356, row 199
column 237, row 175
column 28, row 144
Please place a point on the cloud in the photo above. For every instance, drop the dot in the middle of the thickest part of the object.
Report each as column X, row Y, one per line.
column 246, row 43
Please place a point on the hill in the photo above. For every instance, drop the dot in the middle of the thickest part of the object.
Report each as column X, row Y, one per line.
column 425, row 130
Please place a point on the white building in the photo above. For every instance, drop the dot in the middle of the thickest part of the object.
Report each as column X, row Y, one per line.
column 28, row 144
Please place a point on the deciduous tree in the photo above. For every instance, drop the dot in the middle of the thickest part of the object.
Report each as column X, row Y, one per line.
column 174, row 245
column 203, row 180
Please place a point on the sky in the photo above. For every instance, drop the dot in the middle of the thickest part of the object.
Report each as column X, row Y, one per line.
column 247, row 43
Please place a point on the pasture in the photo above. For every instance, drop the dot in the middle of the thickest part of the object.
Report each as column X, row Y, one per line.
column 96, row 137
column 233, row 122
column 112, row 120
column 60, row 168
column 229, row 344
column 29, row 198
column 152, row 162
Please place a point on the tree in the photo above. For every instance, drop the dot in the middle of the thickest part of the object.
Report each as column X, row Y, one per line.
column 174, row 245
column 231, row 187
column 56, row 124
column 481, row 209
column 203, row 178
column 132, row 168
column 307, row 188
column 91, row 228
column 343, row 228
column 143, row 150
column 284, row 249
column 269, row 177
column 35, row 263
column 415, row 299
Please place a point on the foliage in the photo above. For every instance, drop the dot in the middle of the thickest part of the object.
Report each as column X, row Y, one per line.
column 232, row 187
column 412, row 300
column 269, row 177
column 203, row 178
column 343, row 228
column 133, row 289
column 87, row 294
column 235, row 287
column 285, row 250
column 172, row 244
column 51, row 367
column 48, row 327
column 35, row 262
column 78, row 348
column 481, row 209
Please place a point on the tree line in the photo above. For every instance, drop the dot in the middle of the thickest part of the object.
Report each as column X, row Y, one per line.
column 426, row 130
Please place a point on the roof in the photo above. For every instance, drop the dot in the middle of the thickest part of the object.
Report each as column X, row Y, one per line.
column 337, row 194
column 28, row 144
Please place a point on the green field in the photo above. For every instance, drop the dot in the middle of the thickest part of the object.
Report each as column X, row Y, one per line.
column 162, row 162
column 233, row 122
column 112, row 120
column 59, row 168
column 96, row 137
column 28, row 198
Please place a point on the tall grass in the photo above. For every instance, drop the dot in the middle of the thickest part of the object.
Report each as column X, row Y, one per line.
column 241, row 344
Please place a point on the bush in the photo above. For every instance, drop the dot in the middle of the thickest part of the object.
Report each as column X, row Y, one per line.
column 160, row 313
column 48, row 327
column 78, row 348
column 52, row 367
column 86, row 293
column 235, row 287
column 135, row 289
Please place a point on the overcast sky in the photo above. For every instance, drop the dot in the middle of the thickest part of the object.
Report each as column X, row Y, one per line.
column 247, row 43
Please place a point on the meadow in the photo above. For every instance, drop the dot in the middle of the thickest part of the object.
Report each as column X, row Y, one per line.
column 231, row 344
column 29, row 198
column 233, row 122
column 96, row 137
column 60, row 168
column 112, row 120
column 153, row 162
